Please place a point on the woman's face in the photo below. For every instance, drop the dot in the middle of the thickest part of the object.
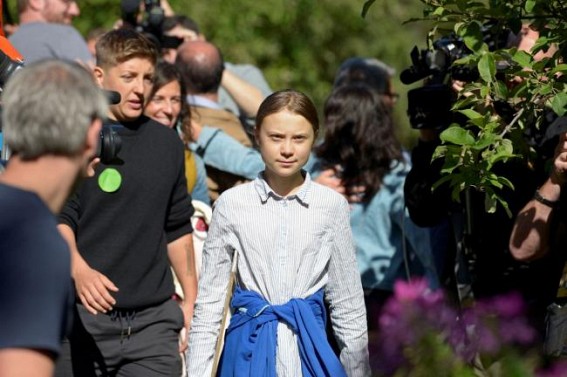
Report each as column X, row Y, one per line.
column 285, row 141
column 165, row 105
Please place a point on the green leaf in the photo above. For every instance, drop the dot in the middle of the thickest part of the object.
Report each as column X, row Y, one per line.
column 507, row 146
column 541, row 43
column 457, row 27
column 452, row 157
column 439, row 182
column 545, row 89
column 506, row 182
column 529, row 6
column 558, row 103
column 439, row 11
column 559, row 68
column 451, row 162
column 523, row 58
column 501, row 89
column 440, row 152
column 472, row 36
column 457, row 135
column 484, row 91
column 489, row 203
column 478, row 122
column 503, row 152
column 484, row 141
column 471, row 114
column 487, row 67
column 366, row 6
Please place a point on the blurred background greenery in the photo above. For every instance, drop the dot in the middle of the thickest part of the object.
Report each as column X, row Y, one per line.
column 297, row 43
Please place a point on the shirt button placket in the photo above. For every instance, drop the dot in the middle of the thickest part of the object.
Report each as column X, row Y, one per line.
column 283, row 249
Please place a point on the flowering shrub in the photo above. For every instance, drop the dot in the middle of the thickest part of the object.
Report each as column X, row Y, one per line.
column 421, row 335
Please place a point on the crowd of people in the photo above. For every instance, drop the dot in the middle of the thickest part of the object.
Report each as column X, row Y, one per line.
column 313, row 220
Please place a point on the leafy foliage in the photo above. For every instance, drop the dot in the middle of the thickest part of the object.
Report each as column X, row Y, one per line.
column 508, row 77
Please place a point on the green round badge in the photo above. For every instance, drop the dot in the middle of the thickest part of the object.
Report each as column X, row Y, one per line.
column 109, row 180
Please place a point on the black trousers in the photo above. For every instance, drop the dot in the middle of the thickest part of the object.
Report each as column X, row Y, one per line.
column 555, row 343
column 124, row 343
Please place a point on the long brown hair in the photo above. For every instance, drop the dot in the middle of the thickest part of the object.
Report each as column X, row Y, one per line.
column 359, row 137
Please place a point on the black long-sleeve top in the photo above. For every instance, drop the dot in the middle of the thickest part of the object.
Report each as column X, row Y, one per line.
column 124, row 233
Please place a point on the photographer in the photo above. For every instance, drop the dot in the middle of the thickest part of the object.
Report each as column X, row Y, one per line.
column 479, row 263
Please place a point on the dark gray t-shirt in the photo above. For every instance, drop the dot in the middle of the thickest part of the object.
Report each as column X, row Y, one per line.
column 42, row 40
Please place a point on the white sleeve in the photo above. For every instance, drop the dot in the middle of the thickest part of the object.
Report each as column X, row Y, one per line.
column 217, row 258
column 346, row 298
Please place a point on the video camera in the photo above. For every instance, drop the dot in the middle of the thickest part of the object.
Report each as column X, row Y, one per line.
column 149, row 23
column 430, row 105
column 109, row 144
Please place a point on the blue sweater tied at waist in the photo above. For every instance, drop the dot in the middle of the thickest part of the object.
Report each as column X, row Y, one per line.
column 251, row 338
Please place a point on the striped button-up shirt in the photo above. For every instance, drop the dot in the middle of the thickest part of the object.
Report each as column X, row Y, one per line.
column 288, row 247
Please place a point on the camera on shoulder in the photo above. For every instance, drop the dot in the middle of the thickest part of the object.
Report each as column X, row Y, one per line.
column 430, row 106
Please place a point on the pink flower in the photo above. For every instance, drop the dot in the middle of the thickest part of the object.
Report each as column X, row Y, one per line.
column 416, row 289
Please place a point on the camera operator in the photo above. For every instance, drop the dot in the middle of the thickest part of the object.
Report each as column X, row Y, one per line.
column 147, row 17
column 479, row 262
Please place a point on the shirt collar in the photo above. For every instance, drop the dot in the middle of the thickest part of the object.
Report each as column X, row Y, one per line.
column 200, row 101
column 265, row 191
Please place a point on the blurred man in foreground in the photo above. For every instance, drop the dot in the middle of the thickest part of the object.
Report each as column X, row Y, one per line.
column 51, row 149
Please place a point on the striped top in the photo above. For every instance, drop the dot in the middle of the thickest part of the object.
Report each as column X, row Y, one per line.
column 289, row 247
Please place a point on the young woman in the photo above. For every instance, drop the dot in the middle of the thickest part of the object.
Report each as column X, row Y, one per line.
column 362, row 149
column 167, row 105
column 294, row 248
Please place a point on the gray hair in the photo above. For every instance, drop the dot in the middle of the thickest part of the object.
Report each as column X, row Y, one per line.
column 48, row 107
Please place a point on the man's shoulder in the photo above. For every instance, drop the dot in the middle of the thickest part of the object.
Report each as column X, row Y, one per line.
column 24, row 213
column 42, row 40
column 43, row 30
column 11, row 195
column 224, row 120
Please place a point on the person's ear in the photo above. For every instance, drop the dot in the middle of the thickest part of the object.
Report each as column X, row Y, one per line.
column 98, row 75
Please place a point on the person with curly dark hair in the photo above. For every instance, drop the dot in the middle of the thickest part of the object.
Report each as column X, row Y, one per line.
column 361, row 147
